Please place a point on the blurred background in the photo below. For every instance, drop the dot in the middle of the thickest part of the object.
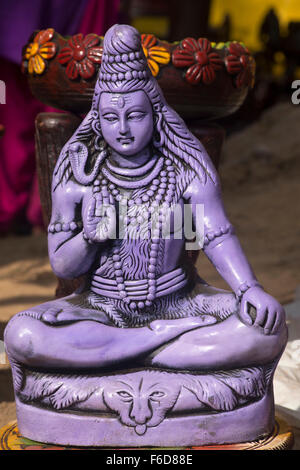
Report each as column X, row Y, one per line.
column 259, row 166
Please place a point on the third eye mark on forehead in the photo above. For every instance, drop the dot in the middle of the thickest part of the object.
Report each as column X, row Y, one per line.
column 120, row 100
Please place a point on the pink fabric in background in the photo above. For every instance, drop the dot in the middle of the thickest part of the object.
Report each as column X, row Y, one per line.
column 19, row 194
column 17, row 158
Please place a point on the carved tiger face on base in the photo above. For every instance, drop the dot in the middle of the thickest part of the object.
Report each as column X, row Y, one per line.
column 141, row 400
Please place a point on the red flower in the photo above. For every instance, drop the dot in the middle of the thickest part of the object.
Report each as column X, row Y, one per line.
column 197, row 55
column 81, row 55
column 239, row 62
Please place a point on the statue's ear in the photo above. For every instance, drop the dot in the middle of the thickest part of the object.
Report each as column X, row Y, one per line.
column 158, row 138
column 158, row 117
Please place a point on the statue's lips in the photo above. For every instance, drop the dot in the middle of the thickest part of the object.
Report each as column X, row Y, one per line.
column 125, row 140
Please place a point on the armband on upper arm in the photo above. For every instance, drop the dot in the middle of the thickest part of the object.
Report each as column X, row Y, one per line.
column 65, row 227
column 212, row 235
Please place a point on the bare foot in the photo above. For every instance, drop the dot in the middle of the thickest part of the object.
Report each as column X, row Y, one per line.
column 50, row 316
column 66, row 314
column 165, row 327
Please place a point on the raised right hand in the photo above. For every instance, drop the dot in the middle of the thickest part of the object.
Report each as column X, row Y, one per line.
column 99, row 218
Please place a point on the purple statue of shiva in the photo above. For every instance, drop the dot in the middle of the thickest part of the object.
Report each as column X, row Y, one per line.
column 147, row 353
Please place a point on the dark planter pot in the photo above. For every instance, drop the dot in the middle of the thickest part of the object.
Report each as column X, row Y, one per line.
column 200, row 79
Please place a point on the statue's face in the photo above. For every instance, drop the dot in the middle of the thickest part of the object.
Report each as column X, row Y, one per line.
column 126, row 121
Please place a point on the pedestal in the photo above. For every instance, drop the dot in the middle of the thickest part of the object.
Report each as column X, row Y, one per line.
column 280, row 439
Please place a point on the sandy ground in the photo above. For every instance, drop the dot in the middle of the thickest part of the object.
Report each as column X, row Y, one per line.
column 260, row 176
column 26, row 279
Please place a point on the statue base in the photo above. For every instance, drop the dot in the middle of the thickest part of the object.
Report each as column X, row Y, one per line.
column 248, row 423
column 281, row 438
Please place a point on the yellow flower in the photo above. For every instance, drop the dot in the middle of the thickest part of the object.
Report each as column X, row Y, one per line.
column 155, row 55
column 40, row 49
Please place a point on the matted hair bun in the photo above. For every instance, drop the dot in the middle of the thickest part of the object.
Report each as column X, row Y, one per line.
column 121, row 38
column 124, row 65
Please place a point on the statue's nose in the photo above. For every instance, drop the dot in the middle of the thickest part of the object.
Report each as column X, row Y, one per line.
column 124, row 127
column 140, row 412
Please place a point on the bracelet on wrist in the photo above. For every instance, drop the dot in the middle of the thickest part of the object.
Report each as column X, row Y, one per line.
column 86, row 238
column 245, row 286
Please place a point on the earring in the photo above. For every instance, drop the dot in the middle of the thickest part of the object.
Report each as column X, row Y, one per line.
column 157, row 139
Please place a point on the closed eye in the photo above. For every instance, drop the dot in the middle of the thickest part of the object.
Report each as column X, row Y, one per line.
column 136, row 116
column 156, row 395
column 110, row 117
column 125, row 395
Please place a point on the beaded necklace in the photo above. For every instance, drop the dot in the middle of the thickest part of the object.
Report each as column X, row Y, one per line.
column 161, row 184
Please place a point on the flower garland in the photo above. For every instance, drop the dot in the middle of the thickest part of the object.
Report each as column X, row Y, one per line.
column 201, row 59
